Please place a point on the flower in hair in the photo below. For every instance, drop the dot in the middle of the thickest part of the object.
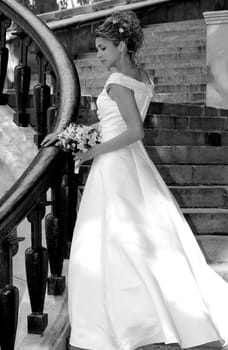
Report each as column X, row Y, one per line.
column 121, row 30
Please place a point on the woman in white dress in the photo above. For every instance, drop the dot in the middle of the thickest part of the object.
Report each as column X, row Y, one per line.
column 136, row 273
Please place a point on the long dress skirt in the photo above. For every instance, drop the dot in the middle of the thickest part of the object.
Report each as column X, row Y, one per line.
column 137, row 275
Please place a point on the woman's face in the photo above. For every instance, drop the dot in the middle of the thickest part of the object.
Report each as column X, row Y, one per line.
column 107, row 52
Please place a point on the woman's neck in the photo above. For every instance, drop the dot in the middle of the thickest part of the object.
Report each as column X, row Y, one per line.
column 133, row 72
column 128, row 68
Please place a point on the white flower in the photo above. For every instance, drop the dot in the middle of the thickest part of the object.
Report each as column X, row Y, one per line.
column 121, row 30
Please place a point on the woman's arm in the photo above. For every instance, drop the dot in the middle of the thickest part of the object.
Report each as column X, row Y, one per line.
column 124, row 97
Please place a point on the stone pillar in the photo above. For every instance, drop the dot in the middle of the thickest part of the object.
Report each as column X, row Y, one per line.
column 217, row 59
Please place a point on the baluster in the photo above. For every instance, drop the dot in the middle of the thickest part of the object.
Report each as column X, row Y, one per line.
column 4, row 55
column 56, row 238
column 69, row 192
column 41, row 95
column 22, row 78
column 9, row 294
column 52, row 111
column 36, row 261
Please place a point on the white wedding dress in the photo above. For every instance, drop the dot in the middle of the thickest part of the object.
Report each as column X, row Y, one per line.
column 136, row 273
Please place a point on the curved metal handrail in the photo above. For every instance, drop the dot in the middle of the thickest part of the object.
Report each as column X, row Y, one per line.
column 24, row 194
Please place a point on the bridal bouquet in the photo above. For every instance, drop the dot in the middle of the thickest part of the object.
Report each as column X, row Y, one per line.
column 77, row 137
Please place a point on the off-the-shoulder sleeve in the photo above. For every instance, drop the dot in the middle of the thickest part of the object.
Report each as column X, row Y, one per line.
column 120, row 79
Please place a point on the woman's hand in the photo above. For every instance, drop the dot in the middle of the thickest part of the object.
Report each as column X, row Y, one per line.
column 49, row 140
column 84, row 157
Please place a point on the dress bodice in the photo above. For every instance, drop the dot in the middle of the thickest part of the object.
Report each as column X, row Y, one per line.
column 111, row 122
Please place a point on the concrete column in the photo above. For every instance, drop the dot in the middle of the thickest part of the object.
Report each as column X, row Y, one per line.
column 217, row 58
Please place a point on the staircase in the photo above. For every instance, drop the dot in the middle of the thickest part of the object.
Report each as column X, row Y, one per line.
column 175, row 54
column 183, row 141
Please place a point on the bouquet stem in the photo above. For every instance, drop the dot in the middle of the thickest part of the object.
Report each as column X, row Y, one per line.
column 76, row 166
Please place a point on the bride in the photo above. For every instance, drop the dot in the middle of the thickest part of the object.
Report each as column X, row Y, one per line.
column 136, row 273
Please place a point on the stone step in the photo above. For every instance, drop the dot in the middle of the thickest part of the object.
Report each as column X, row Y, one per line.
column 183, row 63
column 183, row 138
column 163, row 75
column 166, row 109
column 181, row 27
column 89, row 61
column 180, row 88
column 160, row 90
column 182, row 77
column 179, row 57
column 168, row 73
column 178, row 26
column 183, row 59
column 203, row 221
column 194, row 97
column 157, row 72
column 215, row 248
column 207, row 221
column 181, row 175
column 189, row 75
column 201, row 196
column 194, row 174
column 158, row 40
column 188, row 154
column 159, row 121
column 193, row 196
column 180, row 42
column 94, row 86
column 167, row 85
column 185, row 109
column 192, row 48
column 175, row 34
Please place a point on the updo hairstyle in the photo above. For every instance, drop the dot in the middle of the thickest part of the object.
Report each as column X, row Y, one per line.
column 122, row 26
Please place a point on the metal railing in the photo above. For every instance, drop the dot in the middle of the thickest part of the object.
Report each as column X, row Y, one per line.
column 28, row 196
